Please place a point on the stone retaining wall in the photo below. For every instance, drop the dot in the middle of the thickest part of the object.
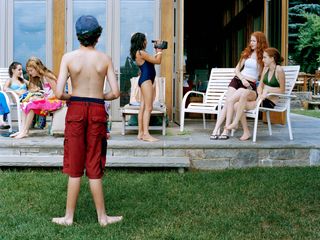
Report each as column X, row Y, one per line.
column 194, row 156
column 243, row 158
column 301, row 97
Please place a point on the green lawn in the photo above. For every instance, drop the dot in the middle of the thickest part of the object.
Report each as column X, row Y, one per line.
column 256, row 203
column 310, row 113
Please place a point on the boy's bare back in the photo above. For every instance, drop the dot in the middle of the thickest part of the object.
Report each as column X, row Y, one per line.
column 87, row 69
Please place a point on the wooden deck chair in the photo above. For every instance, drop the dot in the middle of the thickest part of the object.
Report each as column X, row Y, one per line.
column 159, row 106
column 214, row 97
column 12, row 99
column 291, row 74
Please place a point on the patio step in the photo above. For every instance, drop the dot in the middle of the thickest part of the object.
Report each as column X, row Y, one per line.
column 189, row 150
column 48, row 152
column 112, row 161
column 185, row 153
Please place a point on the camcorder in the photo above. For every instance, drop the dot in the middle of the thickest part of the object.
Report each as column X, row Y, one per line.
column 160, row 44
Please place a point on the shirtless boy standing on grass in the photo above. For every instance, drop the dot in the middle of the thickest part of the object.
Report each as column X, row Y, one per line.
column 85, row 133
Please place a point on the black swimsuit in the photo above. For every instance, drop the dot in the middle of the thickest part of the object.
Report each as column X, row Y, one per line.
column 148, row 72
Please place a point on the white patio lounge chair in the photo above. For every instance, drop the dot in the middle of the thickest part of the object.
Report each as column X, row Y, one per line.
column 214, row 97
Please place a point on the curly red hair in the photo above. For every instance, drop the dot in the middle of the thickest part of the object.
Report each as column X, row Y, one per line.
column 262, row 44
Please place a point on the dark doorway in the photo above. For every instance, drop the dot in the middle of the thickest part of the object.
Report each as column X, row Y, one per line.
column 202, row 29
column 202, row 34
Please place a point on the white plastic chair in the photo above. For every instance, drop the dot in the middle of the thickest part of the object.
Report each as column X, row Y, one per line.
column 214, row 97
column 12, row 99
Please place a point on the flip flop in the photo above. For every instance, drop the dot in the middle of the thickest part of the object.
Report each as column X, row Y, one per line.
column 223, row 137
column 214, row 137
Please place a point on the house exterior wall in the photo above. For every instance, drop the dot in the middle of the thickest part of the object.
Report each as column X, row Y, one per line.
column 251, row 19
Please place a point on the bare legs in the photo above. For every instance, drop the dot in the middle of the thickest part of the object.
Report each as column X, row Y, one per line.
column 72, row 196
column 145, row 112
column 236, row 101
column 140, row 118
column 248, row 105
column 223, row 114
column 97, row 194
column 242, row 97
column 246, row 132
column 26, row 123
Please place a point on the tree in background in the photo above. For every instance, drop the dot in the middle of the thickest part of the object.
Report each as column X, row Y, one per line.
column 303, row 51
column 308, row 46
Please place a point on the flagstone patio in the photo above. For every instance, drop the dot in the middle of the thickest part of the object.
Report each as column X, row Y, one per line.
column 191, row 149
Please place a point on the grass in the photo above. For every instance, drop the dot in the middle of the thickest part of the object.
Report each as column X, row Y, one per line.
column 310, row 113
column 256, row 203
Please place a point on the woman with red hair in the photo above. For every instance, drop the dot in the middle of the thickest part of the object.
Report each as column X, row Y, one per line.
column 272, row 81
column 243, row 85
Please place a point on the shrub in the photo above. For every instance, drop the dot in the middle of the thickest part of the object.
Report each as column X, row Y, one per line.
column 308, row 46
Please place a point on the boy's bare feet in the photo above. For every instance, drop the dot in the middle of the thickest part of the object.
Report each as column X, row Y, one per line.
column 245, row 136
column 106, row 220
column 149, row 138
column 62, row 221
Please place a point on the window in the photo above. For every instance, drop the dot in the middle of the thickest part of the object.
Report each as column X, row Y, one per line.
column 3, row 49
column 119, row 19
column 97, row 8
column 274, row 22
column 130, row 23
column 30, row 30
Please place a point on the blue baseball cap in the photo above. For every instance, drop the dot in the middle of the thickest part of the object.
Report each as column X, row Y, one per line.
column 86, row 24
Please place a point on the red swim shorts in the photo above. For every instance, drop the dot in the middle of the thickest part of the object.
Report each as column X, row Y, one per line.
column 85, row 142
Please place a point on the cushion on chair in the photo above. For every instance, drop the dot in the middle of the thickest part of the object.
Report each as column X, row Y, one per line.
column 58, row 121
